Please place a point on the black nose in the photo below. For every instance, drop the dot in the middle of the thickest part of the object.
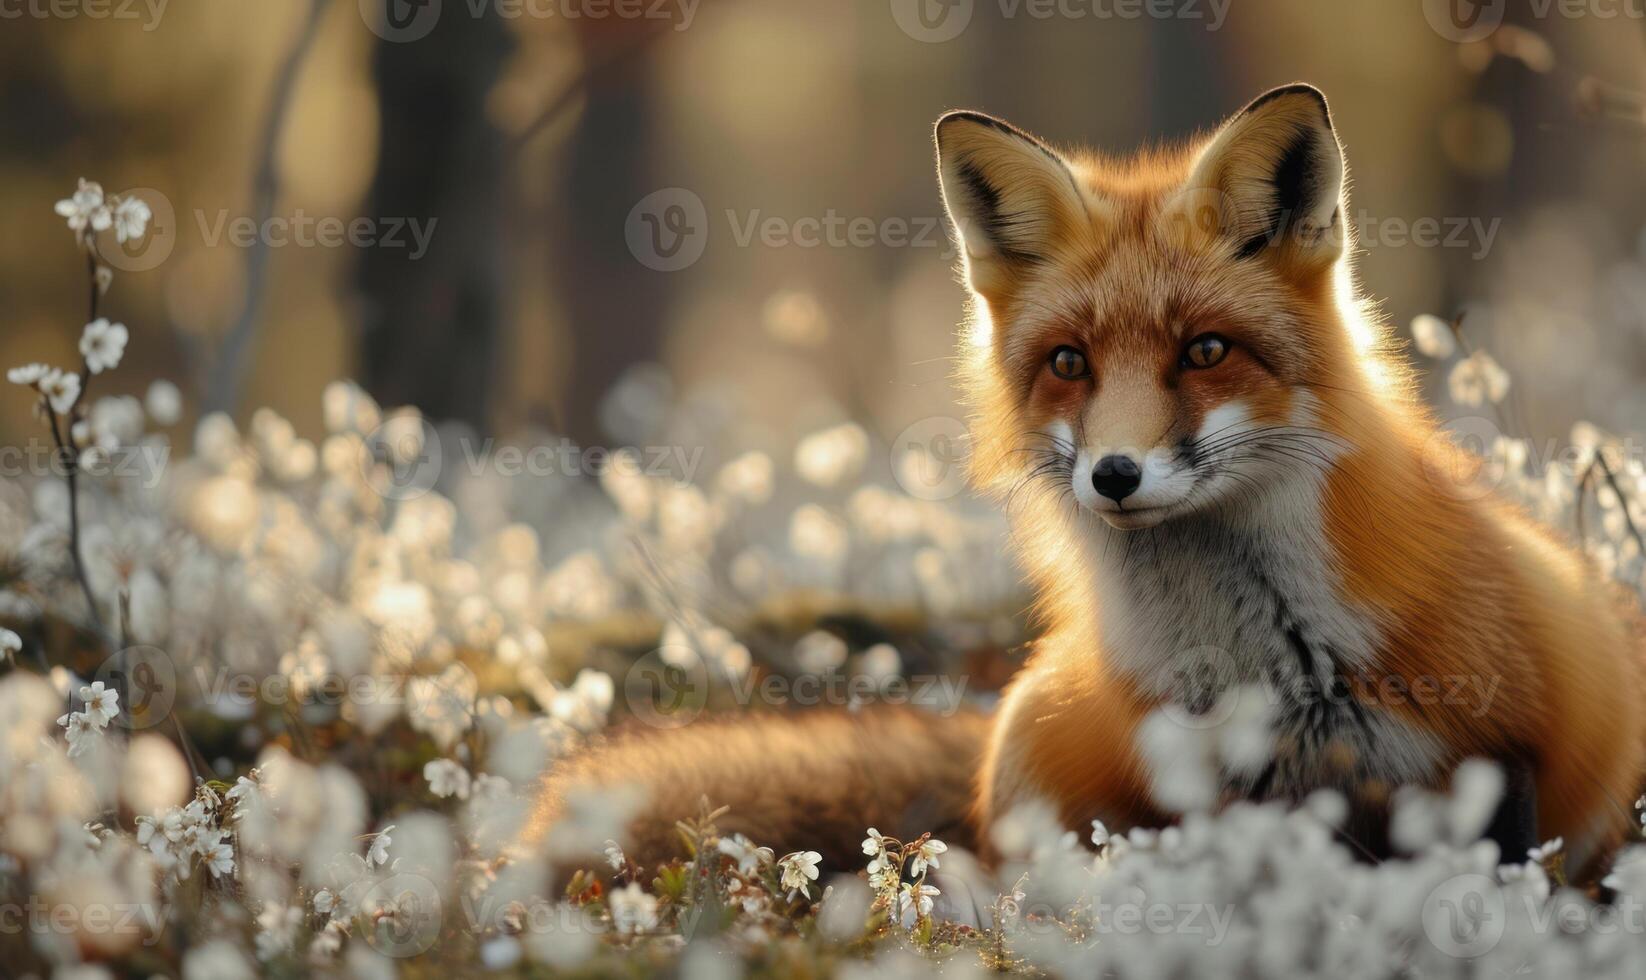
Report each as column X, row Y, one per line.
column 1116, row 477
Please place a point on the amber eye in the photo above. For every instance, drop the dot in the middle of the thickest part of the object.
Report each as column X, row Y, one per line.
column 1069, row 364
column 1205, row 351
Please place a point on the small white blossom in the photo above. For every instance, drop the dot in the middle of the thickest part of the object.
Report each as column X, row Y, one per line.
column 614, row 856
column 324, row 901
column 10, row 645
column 919, row 897
column 1546, row 850
column 102, row 704
column 798, row 870
column 926, row 854
column 29, row 375
column 749, row 858
column 164, row 402
column 633, row 911
column 446, row 778
column 1478, row 379
column 219, row 859
column 131, row 219
column 103, row 344
column 1100, row 833
column 378, row 853
column 77, row 732
column 62, row 389
column 86, row 207
column 1434, row 336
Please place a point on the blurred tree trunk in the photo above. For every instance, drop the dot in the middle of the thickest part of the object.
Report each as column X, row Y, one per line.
column 615, row 305
column 432, row 324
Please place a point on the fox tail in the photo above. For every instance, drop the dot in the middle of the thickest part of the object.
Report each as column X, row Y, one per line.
column 810, row 780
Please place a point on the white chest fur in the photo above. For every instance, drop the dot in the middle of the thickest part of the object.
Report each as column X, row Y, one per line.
column 1248, row 595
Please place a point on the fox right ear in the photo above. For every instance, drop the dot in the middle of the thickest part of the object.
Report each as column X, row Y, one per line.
column 1010, row 197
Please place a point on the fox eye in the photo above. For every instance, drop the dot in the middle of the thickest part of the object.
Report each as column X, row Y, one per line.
column 1069, row 364
column 1205, row 351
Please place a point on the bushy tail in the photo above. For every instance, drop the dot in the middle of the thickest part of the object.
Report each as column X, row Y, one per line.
column 811, row 780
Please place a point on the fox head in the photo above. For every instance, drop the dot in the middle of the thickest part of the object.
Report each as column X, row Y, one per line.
column 1156, row 336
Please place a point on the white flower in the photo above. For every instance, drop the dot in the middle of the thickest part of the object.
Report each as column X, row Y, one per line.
column 61, row 388
column 489, row 787
column 742, row 850
column 875, row 843
column 103, row 344
column 86, row 207
column 77, row 732
column 1478, row 379
column 633, row 911
column 164, row 402
column 446, row 778
column 219, row 859
column 29, row 375
column 926, row 854
column 1434, row 336
column 614, row 856
column 1547, row 850
column 131, row 219
column 10, row 645
column 378, row 853
column 102, row 704
column 1100, row 833
column 882, row 873
column 920, row 896
column 798, row 869
column 324, row 901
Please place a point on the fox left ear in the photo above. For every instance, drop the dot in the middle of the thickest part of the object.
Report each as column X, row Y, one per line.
column 1012, row 200
column 1276, row 175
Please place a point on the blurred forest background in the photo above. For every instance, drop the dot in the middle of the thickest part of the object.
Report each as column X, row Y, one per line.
column 526, row 132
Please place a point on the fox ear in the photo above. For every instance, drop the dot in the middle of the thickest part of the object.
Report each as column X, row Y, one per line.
column 1275, row 174
column 1010, row 197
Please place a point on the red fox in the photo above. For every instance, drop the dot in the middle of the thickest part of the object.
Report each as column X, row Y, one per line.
column 1216, row 469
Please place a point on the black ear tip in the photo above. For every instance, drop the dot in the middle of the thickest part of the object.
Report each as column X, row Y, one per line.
column 1294, row 89
column 956, row 117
